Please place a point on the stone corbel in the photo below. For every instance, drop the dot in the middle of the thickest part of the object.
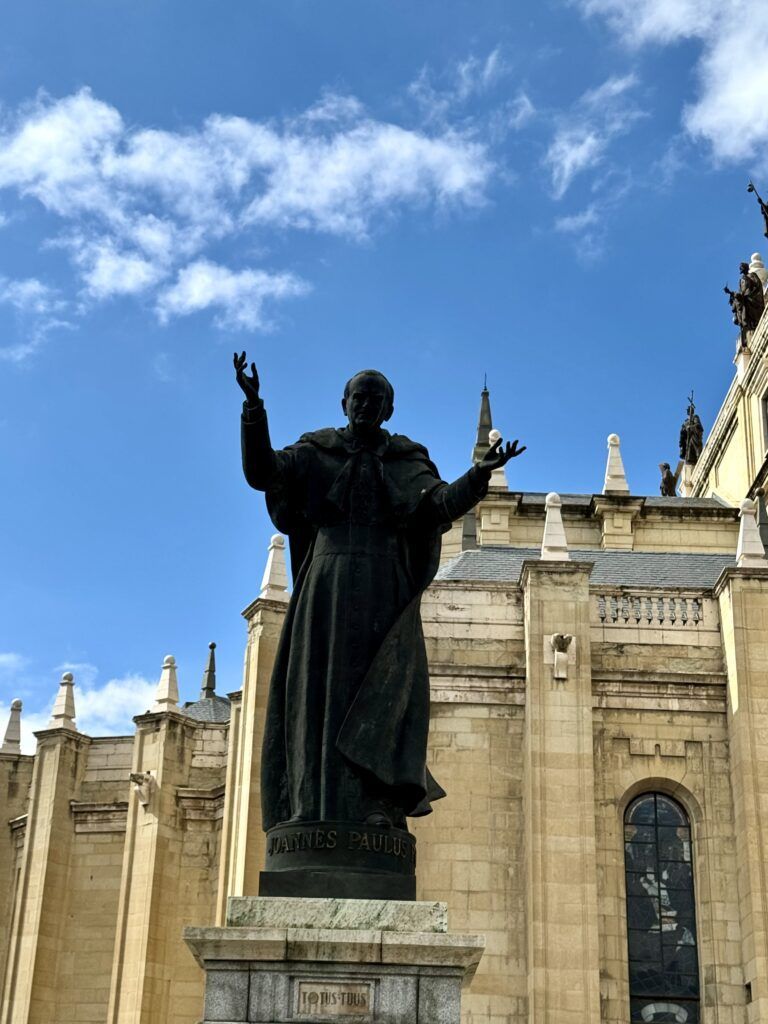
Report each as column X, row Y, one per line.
column 144, row 785
column 559, row 652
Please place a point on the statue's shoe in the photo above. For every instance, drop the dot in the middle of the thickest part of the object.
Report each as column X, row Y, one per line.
column 379, row 819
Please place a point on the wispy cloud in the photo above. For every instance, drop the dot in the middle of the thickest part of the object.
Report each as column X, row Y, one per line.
column 729, row 111
column 37, row 309
column 138, row 210
column 584, row 134
column 12, row 661
column 445, row 95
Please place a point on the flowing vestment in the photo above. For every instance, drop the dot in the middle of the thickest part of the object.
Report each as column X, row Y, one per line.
column 348, row 710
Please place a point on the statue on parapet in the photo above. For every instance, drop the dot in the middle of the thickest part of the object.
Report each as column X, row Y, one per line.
column 345, row 739
column 748, row 303
column 691, row 436
column 668, row 485
column 763, row 207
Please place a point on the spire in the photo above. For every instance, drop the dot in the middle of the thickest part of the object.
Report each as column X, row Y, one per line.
column 209, row 675
column 750, row 552
column 12, row 741
column 554, row 544
column 615, row 477
column 484, row 425
column 274, row 582
column 63, row 714
column 167, row 692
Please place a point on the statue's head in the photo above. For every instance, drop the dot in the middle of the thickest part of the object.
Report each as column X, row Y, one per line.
column 369, row 400
column 743, row 268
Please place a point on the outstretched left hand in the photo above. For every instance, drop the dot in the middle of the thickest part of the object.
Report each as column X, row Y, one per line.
column 498, row 455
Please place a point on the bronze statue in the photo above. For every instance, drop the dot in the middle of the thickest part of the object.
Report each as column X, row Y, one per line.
column 691, row 436
column 763, row 206
column 748, row 303
column 668, row 486
column 348, row 713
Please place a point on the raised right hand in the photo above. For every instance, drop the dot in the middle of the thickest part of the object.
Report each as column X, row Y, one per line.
column 250, row 385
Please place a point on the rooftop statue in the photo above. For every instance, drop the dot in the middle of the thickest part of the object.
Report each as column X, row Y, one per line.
column 668, row 485
column 763, row 207
column 691, row 436
column 748, row 303
column 348, row 711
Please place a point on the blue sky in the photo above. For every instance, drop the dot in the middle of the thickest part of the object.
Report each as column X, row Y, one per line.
column 551, row 193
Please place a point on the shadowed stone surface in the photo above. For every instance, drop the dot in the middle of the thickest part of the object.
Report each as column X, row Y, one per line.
column 376, row 915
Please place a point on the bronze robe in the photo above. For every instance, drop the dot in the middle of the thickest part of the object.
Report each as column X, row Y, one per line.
column 348, row 709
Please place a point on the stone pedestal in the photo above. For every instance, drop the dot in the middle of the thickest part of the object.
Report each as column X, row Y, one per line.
column 281, row 960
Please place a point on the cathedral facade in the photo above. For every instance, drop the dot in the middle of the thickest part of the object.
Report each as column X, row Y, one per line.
column 599, row 673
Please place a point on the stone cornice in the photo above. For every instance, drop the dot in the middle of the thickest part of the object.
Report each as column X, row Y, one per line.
column 732, row 572
column 263, row 604
column 96, row 817
column 546, row 566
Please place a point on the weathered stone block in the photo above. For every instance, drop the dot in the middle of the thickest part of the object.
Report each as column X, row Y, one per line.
column 226, row 995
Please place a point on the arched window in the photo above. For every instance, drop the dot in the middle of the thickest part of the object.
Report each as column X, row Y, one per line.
column 661, row 915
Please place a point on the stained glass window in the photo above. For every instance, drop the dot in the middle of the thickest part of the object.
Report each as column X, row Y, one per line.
column 661, row 915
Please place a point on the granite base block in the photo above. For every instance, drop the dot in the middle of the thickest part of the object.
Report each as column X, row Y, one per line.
column 315, row 974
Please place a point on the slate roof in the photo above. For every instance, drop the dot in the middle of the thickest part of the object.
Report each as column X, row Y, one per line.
column 611, row 568
column 534, row 499
column 209, row 709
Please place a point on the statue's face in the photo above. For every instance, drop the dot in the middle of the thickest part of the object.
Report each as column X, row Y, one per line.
column 367, row 403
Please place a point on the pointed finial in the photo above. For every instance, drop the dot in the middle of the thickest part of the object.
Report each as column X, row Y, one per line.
column 554, row 544
column 274, row 582
column 484, row 424
column 498, row 480
column 750, row 552
column 63, row 714
column 615, row 477
column 209, row 675
column 167, row 692
column 12, row 741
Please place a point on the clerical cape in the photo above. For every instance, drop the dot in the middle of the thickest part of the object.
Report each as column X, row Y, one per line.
column 348, row 709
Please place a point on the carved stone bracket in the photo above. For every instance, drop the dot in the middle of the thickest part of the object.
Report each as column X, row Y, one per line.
column 144, row 785
column 560, row 652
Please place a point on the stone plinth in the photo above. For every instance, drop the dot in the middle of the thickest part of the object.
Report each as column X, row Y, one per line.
column 281, row 960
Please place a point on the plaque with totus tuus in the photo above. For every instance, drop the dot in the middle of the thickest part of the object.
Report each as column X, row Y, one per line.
column 339, row 860
column 318, row 1000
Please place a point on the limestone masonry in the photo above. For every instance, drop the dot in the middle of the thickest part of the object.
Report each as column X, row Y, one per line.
column 599, row 672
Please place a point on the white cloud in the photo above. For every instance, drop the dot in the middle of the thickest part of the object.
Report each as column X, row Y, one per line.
column 239, row 295
column 583, row 136
column 573, row 150
column 12, row 661
column 134, row 207
column 468, row 79
column 337, row 184
column 729, row 112
column 642, row 21
column 109, row 709
column 477, row 74
column 38, row 309
column 106, row 271
column 577, row 222
column 105, row 710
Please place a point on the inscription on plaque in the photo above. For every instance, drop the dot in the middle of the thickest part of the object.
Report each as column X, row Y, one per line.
column 334, row 999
